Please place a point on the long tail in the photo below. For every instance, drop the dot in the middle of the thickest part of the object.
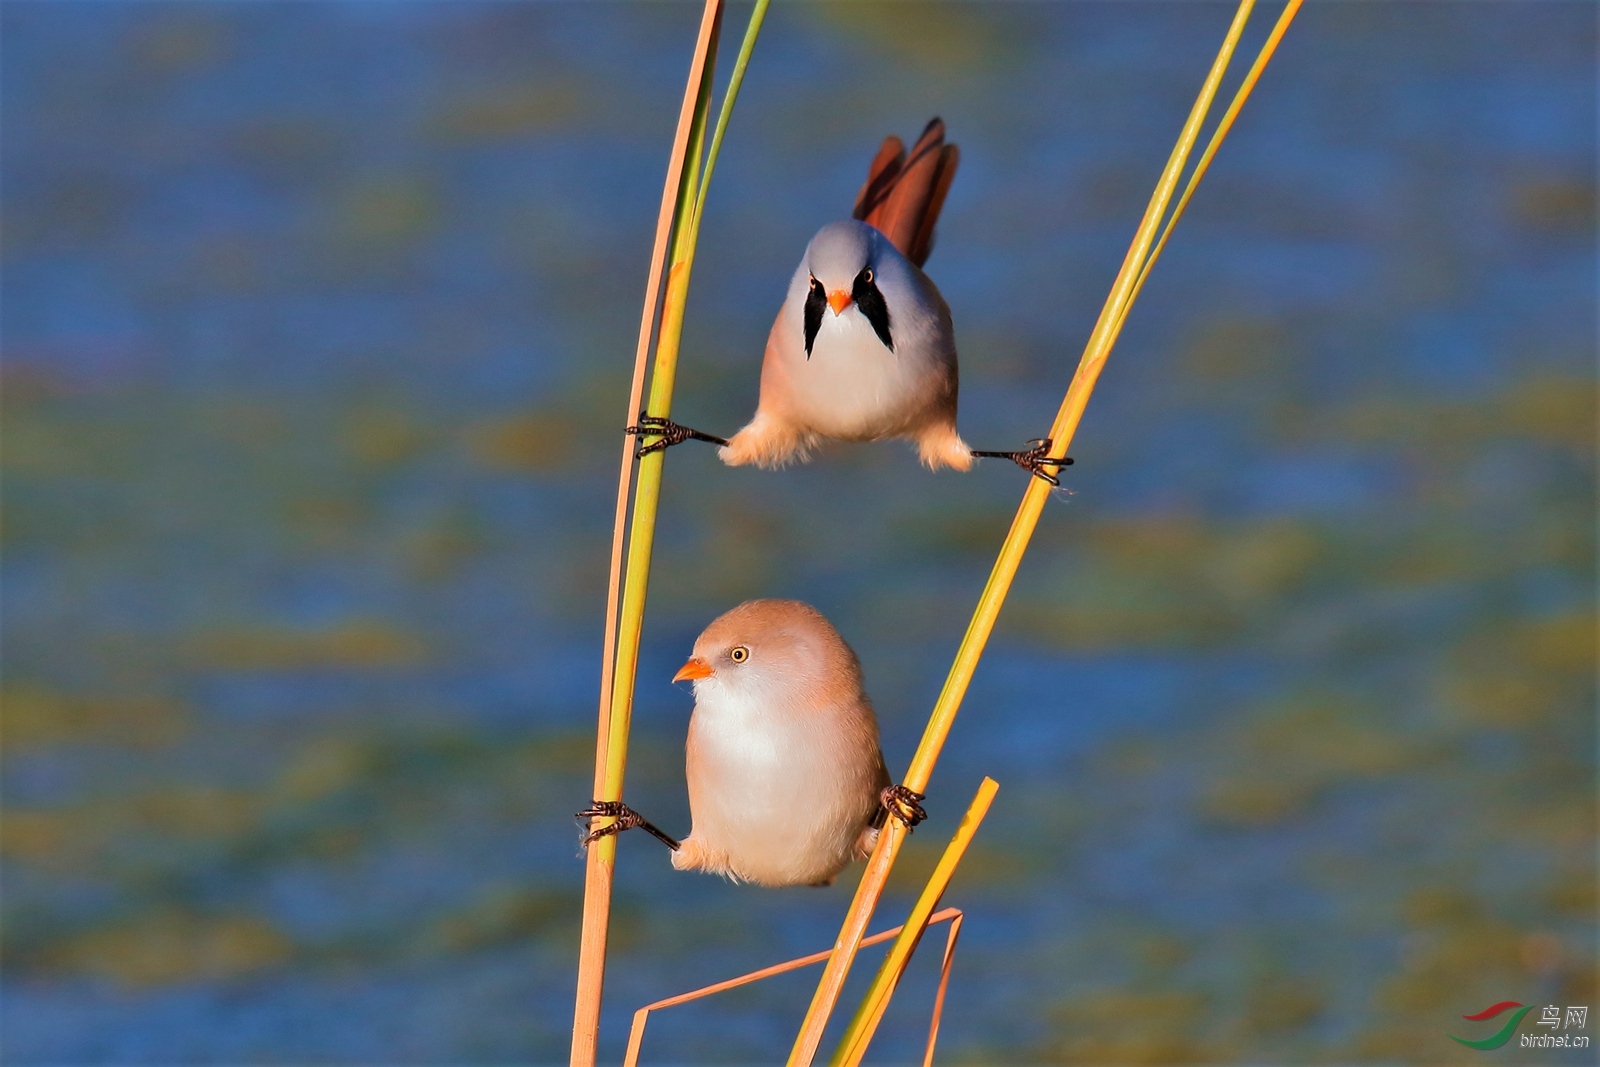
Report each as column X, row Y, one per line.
column 902, row 196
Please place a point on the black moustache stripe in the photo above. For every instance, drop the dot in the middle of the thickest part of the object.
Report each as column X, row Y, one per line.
column 816, row 301
column 867, row 297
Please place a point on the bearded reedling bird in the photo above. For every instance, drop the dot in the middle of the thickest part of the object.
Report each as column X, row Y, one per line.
column 863, row 348
column 787, row 784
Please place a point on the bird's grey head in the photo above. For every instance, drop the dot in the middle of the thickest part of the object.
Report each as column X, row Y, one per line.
column 839, row 252
column 844, row 260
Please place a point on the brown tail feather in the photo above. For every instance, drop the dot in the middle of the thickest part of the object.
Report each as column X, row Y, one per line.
column 922, row 246
column 903, row 195
column 880, row 176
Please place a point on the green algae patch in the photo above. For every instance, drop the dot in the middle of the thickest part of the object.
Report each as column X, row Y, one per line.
column 173, row 946
column 359, row 644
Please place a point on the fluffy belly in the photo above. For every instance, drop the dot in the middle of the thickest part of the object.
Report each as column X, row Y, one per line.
column 766, row 810
column 854, row 388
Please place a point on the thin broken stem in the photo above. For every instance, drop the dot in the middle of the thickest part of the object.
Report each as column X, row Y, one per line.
column 951, row 915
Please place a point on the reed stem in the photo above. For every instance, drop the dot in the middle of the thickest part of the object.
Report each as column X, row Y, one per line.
column 599, row 865
column 1101, row 341
column 1217, row 137
column 853, row 1046
column 647, row 490
column 677, row 232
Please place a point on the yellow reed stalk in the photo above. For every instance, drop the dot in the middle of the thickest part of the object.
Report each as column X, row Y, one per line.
column 858, row 1035
column 1217, row 137
column 1101, row 341
column 677, row 230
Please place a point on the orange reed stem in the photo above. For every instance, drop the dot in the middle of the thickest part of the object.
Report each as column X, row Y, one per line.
column 601, row 858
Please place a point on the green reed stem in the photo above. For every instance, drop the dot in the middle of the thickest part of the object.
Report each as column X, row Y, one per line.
column 620, row 662
column 746, row 48
column 647, row 493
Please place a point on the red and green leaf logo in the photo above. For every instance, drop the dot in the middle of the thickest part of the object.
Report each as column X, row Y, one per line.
column 1501, row 1036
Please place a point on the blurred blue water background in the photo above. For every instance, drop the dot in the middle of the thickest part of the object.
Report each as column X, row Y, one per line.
column 317, row 326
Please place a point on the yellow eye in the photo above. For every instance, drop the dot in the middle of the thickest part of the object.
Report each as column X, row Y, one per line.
column 739, row 654
column 868, row 275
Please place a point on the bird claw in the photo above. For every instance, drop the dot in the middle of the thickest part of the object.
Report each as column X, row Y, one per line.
column 1034, row 459
column 904, row 804
column 625, row 819
column 669, row 432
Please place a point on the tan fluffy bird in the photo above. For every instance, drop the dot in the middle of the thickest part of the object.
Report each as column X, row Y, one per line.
column 863, row 348
column 787, row 783
column 784, row 768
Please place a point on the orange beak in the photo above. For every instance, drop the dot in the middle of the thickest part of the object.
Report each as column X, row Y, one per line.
column 695, row 668
column 838, row 300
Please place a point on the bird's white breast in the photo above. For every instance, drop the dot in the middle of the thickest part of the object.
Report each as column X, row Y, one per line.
column 852, row 386
column 750, row 760
column 780, row 794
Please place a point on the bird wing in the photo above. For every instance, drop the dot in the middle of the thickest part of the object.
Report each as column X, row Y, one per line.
column 903, row 194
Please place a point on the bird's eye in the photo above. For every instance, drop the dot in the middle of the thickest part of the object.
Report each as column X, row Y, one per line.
column 814, row 283
column 866, row 275
column 739, row 654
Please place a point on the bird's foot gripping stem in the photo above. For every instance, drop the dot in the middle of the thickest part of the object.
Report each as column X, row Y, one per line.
column 904, row 804
column 1034, row 459
column 626, row 819
column 667, row 432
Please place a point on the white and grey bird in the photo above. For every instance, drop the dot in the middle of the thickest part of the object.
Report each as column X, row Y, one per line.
column 787, row 784
column 863, row 347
